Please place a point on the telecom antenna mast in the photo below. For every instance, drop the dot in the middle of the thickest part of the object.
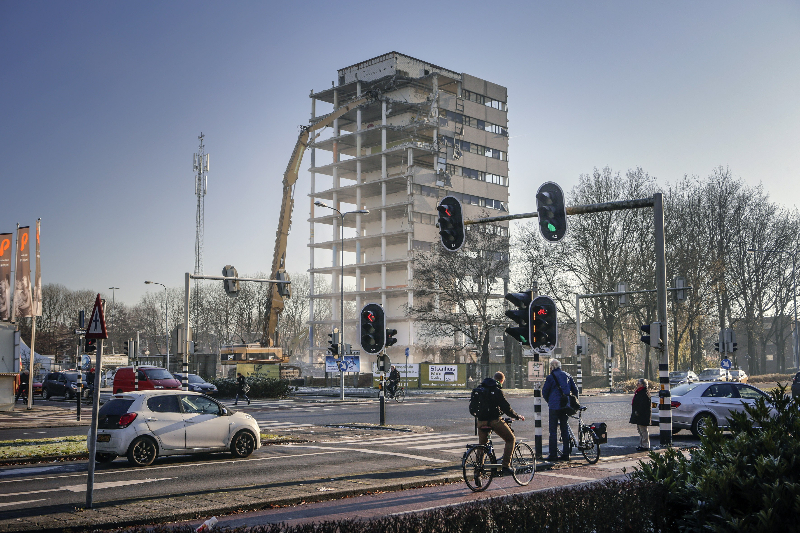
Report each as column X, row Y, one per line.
column 200, row 185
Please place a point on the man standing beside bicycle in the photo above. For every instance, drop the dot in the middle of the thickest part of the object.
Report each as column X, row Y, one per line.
column 498, row 406
column 558, row 385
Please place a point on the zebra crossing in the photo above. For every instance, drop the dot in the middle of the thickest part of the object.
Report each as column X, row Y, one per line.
column 449, row 443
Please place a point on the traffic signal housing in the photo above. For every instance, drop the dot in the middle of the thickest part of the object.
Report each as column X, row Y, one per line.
column 552, row 211
column 90, row 346
column 652, row 334
column 126, row 349
column 522, row 302
column 451, row 223
column 390, row 340
column 231, row 285
column 543, row 322
column 333, row 343
column 284, row 289
column 373, row 328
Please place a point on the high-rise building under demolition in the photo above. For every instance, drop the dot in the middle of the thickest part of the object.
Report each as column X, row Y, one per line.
column 430, row 133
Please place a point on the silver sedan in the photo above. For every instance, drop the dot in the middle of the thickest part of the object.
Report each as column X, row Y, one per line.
column 698, row 406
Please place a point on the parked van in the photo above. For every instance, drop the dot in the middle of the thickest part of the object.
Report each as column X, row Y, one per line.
column 150, row 378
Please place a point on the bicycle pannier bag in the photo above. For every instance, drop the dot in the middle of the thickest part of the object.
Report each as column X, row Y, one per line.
column 479, row 403
column 601, row 436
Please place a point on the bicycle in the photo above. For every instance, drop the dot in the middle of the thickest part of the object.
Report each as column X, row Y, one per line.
column 478, row 473
column 399, row 394
column 587, row 439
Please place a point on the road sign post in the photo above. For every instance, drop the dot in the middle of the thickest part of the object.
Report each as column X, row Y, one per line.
column 96, row 330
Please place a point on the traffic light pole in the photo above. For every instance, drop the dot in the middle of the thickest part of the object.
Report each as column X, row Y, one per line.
column 657, row 203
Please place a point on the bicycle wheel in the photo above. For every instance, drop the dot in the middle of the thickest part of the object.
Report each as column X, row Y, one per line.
column 589, row 447
column 400, row 395
column 476, row 476
column 523, row 463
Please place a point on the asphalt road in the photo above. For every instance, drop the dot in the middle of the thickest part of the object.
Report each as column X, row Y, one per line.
column 442, row 428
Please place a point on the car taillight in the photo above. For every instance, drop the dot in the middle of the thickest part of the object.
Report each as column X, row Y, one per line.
column 675, row 404
column 126, row 419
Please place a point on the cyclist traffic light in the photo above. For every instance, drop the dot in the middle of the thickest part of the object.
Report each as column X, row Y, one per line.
column 652, row 334
column 552, row 211
column 520, row 332
column 543, row 322
column 333, row 343
column 451, row 223
column 373, row 326
column 90, row 346
column 390, row 340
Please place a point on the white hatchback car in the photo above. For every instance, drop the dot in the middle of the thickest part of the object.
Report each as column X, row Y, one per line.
column 145, row 424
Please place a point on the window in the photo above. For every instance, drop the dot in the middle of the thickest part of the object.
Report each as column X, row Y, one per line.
column 199, row 404
column 720, row 390
column 164, row 404
column 749, row 393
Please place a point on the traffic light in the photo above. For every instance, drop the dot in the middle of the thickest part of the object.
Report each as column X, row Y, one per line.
column 734, row 346
column 451, row 223
column 284, row 289
column 520, row 332
column 127, row 348
column 390, row 340
column 652, row 334
column 91, row 345
column 543, row 322
column 716, row 346
column 552, row 211
column 373, row 328
column 231, row 285
column 333, row 343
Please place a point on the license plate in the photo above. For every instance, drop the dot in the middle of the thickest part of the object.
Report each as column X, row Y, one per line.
column 104, row 438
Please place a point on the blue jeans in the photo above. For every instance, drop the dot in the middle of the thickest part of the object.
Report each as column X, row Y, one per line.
column 558, row 418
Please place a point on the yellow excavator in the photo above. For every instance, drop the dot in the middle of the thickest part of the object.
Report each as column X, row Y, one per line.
column 274, row 297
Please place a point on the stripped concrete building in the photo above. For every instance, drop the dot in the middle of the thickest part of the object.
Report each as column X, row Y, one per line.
column 432, row 132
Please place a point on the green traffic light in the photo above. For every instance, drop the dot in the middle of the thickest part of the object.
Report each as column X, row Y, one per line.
column 551, row 227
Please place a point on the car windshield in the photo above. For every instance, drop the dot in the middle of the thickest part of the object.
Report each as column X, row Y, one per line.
column 194, row 378
column 680, row 390
column 678, row 374
column 157, row 373
column 72, row 376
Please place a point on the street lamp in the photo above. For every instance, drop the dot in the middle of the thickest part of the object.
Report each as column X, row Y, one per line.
column 111, row 315
column 166, row 317
column 796, row 339
column 341, row 281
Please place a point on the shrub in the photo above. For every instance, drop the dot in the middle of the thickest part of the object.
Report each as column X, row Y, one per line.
column 748, row 482
column 259, row 387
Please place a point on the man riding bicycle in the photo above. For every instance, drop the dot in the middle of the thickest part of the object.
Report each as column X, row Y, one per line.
column 394, row 380
column 498, row 406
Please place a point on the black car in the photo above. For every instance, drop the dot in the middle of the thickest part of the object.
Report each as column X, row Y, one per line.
column 796, row 386
column 198, row 384
column 60, row 384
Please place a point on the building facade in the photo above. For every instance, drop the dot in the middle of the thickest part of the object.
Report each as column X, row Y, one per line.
column 428, row 132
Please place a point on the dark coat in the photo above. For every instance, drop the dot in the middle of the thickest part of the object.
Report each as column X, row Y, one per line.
column 500, row 405
column 641, row 408
column 240, row 383
column 557, row 382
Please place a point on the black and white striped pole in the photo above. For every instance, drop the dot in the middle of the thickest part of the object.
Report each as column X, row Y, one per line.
column 537, row 412
column 664, row 396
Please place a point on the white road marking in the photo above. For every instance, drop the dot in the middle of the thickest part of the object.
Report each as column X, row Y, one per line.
column 375, row 452
column 7, row 504
column 567, row 476
column 82, row 487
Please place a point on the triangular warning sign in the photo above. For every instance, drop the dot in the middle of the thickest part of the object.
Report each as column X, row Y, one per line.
column 97, row 323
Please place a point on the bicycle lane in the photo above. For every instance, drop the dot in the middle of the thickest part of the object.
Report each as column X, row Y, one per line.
column 379, row 504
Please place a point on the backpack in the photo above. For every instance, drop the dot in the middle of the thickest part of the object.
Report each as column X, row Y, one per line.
column 480, row 404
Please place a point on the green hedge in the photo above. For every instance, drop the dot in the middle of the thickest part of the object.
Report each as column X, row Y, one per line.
column 748, row 481
column 604, row 507
column 259, row 387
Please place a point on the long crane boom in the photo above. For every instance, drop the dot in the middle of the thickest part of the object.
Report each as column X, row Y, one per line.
column 274, row 300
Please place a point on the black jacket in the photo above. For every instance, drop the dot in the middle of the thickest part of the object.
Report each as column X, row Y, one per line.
column 500, row 405
column 640, row 410
column 240, row 383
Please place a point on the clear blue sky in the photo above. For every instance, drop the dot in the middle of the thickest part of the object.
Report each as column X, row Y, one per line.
column 101, row 104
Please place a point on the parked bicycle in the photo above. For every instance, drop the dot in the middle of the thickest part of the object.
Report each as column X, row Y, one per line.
column 398, row 395
column 480, row 465
column 588, row 442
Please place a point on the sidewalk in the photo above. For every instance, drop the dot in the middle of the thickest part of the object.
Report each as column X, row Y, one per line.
column 44, row 416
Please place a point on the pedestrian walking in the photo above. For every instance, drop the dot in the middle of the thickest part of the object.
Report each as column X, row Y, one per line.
column 241, row 389
column 558, row 385
column 640, row 414
column 22, row 390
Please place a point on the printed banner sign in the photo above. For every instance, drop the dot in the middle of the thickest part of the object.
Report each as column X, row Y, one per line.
column 5, row 276
column 22, row 286
column 352, row 362
column 37, row 287
column 446, row 373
